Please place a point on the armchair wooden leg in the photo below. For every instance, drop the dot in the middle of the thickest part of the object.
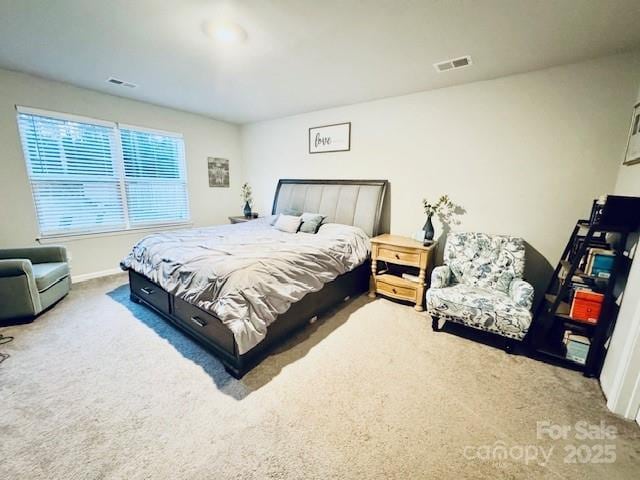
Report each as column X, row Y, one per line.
column 509, row 345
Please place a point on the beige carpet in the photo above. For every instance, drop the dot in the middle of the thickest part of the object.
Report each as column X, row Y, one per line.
column 102, row 388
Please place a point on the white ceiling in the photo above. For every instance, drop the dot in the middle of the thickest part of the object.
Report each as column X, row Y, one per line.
column 301, row 55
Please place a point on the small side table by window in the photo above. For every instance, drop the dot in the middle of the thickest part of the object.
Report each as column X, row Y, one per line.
column 400, row 251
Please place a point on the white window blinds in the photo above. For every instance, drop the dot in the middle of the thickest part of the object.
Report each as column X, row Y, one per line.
column 90, row 176
column 155, row 178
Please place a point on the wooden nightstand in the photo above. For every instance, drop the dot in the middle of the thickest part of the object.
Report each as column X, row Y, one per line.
column 400, row 251
column 241, row 219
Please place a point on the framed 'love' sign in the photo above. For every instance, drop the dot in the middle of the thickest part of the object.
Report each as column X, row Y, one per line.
column 330, row 138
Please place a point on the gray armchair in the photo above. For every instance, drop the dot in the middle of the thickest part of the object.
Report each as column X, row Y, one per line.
column 481, row 285
column 31, row 280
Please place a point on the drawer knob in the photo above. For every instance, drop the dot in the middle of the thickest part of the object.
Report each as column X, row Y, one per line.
column 397, row 256
column 146, row 290
column 394, row 290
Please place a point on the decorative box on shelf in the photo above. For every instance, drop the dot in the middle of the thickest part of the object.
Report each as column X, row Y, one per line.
column 586, row 306
column 397, row 250
column 577, row 347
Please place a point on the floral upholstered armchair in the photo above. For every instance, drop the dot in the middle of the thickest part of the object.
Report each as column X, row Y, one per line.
column 481, row 285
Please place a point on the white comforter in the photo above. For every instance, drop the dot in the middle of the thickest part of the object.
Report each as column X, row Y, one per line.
column 247, row 274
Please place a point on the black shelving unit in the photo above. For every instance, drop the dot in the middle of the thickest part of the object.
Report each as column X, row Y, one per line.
column 553, row 315
column 617, row 215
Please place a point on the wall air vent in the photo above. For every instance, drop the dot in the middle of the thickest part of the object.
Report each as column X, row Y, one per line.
column 121, row 83
column 453, row 64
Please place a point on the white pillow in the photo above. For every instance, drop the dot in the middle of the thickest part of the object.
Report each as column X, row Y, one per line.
column 288, row 223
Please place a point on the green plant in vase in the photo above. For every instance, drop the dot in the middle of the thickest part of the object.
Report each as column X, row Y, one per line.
column 444, row 208
column 247, row 199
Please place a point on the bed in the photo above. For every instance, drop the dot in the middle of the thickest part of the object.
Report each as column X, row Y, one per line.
column 241, row 289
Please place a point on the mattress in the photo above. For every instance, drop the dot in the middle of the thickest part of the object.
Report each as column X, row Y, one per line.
column 247, row 274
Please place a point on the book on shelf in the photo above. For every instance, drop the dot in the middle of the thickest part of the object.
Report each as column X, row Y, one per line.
column 596, row 242
column 577, row 287
column 597, row 210
column 411, row 278
column 577, row 346
column 602, row 264
column 576, row 278
column 579, row 281
column 601, row 258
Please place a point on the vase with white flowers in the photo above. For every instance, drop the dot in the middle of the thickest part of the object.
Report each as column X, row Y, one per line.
column 444, row 208
column 246, row 195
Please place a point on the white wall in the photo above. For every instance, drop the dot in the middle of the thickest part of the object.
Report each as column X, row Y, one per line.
column 525, row 154
column 620, row 378
column 203, row 137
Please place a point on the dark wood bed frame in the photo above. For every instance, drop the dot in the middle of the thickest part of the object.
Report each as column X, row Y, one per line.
column 211, row 332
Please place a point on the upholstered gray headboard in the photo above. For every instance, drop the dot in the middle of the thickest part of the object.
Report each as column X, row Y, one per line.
column 350, row 202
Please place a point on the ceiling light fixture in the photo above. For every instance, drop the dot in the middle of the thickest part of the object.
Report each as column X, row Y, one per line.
column 225, row 32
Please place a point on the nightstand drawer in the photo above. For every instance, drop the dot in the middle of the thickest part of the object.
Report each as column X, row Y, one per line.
column 396, row 291
column 398, row 255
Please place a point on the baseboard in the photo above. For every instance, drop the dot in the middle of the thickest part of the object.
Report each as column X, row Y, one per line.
column 90, row 276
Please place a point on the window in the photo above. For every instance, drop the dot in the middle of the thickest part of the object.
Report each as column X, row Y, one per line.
column 90, row 176
column 154, row 176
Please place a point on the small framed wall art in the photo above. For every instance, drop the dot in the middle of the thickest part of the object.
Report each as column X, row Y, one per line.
column 218, row 172
column 632, row 155
column 330, row 138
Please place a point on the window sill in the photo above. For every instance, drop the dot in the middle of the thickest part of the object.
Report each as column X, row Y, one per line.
column 132, row 231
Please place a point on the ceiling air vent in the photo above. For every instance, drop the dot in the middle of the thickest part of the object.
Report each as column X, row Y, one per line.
column 121, row 83
column 452, row 64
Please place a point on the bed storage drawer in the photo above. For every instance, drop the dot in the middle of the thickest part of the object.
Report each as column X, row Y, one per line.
column 149, row 291
column 204, row 324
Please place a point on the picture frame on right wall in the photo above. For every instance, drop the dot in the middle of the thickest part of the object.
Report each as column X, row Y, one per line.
column 632, row 155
